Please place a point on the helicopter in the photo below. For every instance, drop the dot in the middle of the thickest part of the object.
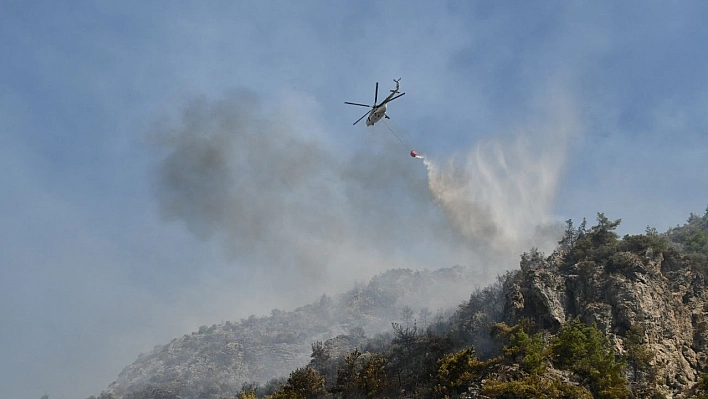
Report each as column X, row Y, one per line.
column 378, row 111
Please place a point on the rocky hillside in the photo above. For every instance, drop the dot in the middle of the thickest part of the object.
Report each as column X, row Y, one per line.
column 600, row 317
column 642, row 284
column 215, row 361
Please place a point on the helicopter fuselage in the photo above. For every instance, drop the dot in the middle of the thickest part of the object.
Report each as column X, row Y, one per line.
column 376, row 114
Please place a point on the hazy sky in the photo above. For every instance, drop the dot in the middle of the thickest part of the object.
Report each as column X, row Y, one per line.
column 166, row 165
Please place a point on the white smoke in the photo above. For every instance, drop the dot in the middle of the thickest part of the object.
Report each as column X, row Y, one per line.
column 499, row 195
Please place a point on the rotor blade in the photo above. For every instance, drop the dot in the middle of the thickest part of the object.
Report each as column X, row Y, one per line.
column 376, row 95
column 361, row 105
column 357, row 121
column 396, row 97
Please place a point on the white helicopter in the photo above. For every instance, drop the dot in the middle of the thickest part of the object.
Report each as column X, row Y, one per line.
column 378, row 111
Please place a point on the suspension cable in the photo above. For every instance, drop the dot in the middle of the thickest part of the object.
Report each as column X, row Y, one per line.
column 394, row 133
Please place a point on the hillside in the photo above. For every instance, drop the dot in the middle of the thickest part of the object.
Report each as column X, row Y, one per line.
column 600, row 317
column 216, row 360
column 648, row 288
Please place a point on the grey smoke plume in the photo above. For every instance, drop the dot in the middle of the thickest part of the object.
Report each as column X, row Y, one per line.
column 282, row 200
column 269, row 186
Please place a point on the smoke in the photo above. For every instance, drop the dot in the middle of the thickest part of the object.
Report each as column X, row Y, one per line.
column 286, row 204
column 499, row 195
column 280, row 198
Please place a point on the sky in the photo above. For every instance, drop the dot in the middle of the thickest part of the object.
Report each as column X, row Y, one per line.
column 166, row 165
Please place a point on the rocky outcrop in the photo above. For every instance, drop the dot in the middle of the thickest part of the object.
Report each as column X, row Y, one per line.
column 658, row 292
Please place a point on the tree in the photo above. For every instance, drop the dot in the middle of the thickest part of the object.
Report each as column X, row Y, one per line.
column 251, row 394
column 347, row 374
column 596, row 244
column 362, row 375
column 322, row 361
column 533, row 259
column 373, row 377
column 604, row 232
column 303, row 383
column 459, row 370
column 402, row 353
column 519, row 347
column 586, row 351
column 569, row 237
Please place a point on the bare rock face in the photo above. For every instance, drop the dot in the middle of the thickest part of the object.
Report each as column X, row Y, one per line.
column 659, row 293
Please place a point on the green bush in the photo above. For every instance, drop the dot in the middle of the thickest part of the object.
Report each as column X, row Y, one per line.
column 620, row 262
column 534, row 386
column 586, row 351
